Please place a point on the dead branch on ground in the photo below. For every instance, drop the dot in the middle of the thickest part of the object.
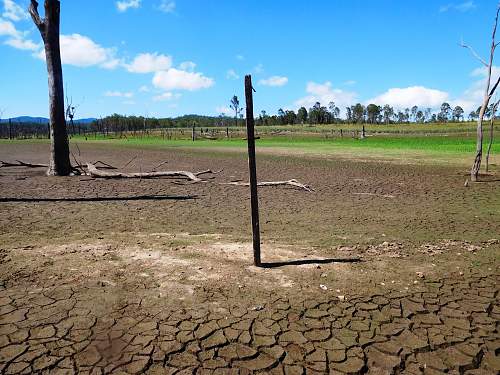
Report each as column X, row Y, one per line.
column 18, row 163
column 93, row 171
column 294, row 183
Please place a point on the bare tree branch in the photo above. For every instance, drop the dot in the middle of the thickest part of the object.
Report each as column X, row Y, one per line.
column 474, row 53
column 33, row 11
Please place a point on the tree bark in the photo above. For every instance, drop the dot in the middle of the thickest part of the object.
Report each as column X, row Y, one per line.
column 59, row 164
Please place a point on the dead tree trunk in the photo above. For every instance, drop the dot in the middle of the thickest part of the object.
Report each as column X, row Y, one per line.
column 59, row 164
column 492, row 129
column 488, row 93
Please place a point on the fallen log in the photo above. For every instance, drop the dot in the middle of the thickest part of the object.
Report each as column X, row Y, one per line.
column 294, row 183
column 93, row 171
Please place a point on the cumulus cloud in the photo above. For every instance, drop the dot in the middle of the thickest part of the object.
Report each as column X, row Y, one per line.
column 274, row 81
column 461, row 7
column 81, row 51
column 175, row 79
column 23, row 44
column 167, row 6
column 166, row 96
column 119, row 94
column 149, row 63
column 8, row 28
column 410, row 96
column 187, row 65
column 231, row 74
column 125, row 5
column 13, row 11
column 326, row 93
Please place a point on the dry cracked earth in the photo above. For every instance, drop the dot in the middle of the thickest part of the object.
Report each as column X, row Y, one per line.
column 445, row 326
column 98, row 288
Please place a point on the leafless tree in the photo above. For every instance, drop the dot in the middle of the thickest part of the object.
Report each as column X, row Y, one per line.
column 489, row 91
column 492, row 125
column 59, row 164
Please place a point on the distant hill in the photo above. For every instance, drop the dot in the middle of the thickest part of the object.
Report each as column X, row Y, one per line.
column 43, row 120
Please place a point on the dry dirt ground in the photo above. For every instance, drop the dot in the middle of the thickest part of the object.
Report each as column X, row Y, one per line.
column 95, row 281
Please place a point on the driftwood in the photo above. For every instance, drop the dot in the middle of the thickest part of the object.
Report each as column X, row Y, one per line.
column 18, row 163
column 292, row 182
column 93, row 171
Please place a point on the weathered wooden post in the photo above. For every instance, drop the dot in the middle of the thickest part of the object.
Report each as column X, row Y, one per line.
column 10, row 128
column 254, row 198
column 193, row 133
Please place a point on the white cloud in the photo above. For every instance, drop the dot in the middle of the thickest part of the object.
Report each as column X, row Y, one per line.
column 167, row 6
column 119, row 94
column 149, row 63
column 410, row 96
column 240, row 57
column 125, row 5
column 23, row 44
column 144, row 89
column 231, row 74
column 274, row 81
column 258, row 69
column 81, row 51
column 13, row 11
column 166, row 96
column 187, row 65
column 461, row 7
column 174, row 79
column 8, row 28
column 325, row 93
column 350, row 82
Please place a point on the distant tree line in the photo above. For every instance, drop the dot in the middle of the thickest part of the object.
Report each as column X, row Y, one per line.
column 370, row 114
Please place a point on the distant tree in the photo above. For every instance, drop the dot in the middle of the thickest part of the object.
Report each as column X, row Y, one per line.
column 334, row 112
column 281, row 115
column 407, row 115
column 59, row 164
column 428, row 114
column 458, row 113
column 302, row 115
column 444, row 113
column 318, row 114
column 235, row 106
column 372, row 113
column 472, row 116
column 290, row 117
column 358, row 113
column 419, row 116
column 388, row 113
column 414, row 111
column 348, row 115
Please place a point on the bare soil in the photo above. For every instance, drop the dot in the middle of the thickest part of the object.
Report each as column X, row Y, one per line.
column 409, row 224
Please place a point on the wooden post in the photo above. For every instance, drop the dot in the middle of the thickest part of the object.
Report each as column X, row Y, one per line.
column 10, row 128
column 254, row 198
column 193, row 133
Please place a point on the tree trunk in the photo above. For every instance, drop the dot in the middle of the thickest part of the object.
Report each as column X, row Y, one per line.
column 59, row 164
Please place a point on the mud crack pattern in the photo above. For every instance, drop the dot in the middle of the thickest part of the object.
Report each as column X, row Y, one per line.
column 448, row 325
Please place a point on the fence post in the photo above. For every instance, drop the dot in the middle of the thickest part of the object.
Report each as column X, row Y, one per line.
column 254, row 199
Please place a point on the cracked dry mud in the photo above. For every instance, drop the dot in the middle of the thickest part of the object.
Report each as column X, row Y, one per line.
column 448, row 325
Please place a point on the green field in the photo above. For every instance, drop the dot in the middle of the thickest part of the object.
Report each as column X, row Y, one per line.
column 408, row 143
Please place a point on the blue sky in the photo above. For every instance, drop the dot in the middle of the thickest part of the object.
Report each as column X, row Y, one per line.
column 168, row 58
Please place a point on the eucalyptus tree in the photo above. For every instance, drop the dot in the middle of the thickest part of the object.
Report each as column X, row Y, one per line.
column 388, row 113
column 458, row 113
column 49, row 28
column 302, row 115
column 372, row 113
column 235, row 106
